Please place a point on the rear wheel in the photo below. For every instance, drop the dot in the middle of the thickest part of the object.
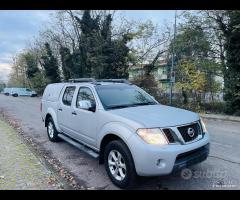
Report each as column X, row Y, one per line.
column 119, row 164
column 15, row 95
column 52, row 131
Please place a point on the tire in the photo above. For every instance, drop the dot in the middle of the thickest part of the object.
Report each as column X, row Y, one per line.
column 52, row 131
column 15, row 95
column 124, row 178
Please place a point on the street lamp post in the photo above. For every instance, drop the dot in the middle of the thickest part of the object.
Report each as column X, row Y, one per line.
column 172, row 75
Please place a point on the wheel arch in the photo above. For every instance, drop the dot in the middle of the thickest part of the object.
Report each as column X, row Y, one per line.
column 46, row 119
column 113, row 131
column 52, row 114
column 106, row 139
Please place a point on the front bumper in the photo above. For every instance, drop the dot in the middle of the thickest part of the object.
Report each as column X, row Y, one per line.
column 191, row 158
column 151, row 160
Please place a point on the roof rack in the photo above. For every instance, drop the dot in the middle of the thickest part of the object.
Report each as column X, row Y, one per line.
column 114, row 80
column 94, row 81
column 82, row 80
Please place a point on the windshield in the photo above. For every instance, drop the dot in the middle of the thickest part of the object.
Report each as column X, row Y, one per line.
column 122, row 96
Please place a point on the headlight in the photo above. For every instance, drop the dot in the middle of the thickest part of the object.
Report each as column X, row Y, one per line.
column 152, row 136
column 203, row 126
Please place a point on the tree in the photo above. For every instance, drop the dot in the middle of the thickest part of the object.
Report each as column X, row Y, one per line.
column 85, row 45
column 17, row 77
column 26, row 72
column 101, row 55
column 232, row 45
column 35, row 77
column 50, row 65
column 67, row 63
column 31, row 64
column 226, row 25
column 214, row 23
column 190, row 80
column 116, row 59
column 192, row 45
column 149, row 39
column 99, row 47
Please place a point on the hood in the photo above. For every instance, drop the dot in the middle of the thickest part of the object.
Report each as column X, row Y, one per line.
column 157, row 115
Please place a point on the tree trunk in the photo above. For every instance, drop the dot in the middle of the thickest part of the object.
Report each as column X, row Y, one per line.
column 185, row 97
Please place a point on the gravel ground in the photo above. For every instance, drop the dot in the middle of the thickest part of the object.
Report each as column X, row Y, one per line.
column 19, row 167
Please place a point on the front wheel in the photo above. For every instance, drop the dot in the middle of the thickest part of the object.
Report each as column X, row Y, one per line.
column 119, row 164
column 52, row 131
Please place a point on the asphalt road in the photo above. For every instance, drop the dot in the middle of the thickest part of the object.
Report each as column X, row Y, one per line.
column 220, row 171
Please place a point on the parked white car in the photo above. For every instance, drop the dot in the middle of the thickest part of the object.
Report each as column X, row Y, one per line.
column 19, row 92
column 124, row 127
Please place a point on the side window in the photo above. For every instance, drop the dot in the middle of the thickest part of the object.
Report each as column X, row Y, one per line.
column 85, row 93
column 68, row 95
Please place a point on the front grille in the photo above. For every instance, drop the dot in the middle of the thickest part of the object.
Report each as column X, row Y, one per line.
column 186, row 130
column 168, row 133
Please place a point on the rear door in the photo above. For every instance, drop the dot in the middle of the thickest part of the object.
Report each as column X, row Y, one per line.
column 65, row 110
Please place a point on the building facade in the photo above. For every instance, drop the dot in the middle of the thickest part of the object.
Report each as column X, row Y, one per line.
column 160, row 73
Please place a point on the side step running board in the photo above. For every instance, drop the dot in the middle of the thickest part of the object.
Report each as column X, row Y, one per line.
column 79, row 146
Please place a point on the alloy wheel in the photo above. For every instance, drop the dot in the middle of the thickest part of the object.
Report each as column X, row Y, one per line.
column 50, row 129
column 117, row 165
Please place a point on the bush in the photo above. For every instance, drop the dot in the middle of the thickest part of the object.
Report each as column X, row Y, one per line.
column 211, row 107
column 192, row 106
column 232, row 108
column 214, row 107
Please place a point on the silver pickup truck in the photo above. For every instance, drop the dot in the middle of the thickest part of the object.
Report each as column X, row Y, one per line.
column 124, row 127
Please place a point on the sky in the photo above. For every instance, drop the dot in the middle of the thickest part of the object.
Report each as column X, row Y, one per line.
column 17, row 28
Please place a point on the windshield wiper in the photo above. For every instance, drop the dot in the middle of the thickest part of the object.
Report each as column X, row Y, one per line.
column 143, row 104
column 130, row 105
column 118, row 106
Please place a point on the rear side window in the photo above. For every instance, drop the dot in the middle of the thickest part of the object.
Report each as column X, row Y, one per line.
column 68, row 95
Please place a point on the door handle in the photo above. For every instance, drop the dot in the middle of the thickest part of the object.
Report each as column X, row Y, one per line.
column 60, row 109
column 74, row 113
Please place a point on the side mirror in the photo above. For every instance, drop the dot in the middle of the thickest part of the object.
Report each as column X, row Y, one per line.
column 86, row 105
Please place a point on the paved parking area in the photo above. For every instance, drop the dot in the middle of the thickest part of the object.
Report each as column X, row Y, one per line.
column 220, row 171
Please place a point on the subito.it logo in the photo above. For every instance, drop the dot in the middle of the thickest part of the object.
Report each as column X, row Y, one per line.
column 186, row 174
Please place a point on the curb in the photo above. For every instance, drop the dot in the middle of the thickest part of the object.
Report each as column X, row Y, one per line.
column 221, row 117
